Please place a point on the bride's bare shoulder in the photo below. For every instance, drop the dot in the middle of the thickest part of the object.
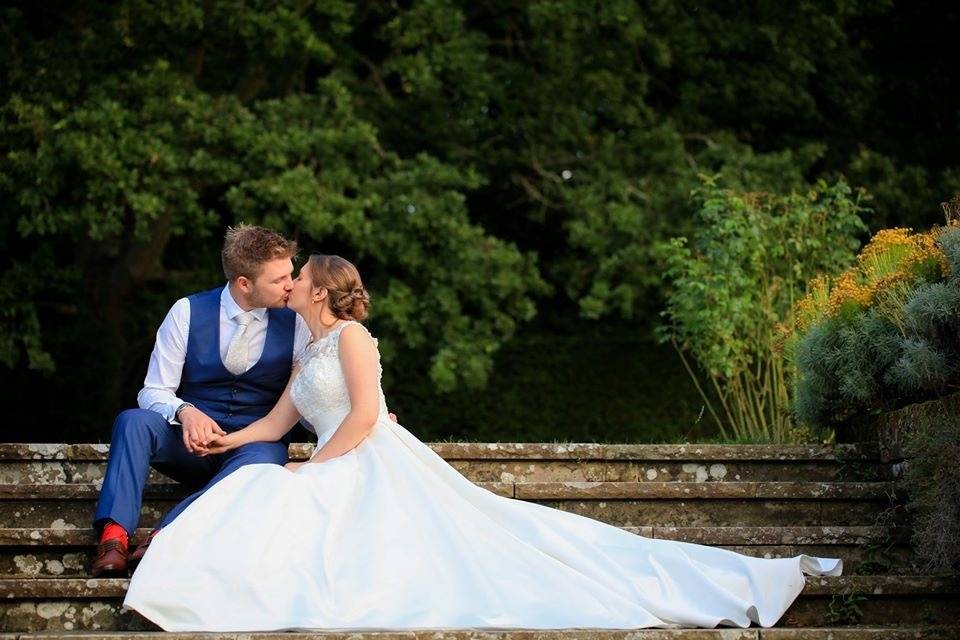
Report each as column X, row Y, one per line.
column 356, row 336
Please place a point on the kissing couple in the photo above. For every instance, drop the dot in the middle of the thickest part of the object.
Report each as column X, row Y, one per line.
column 375, row 530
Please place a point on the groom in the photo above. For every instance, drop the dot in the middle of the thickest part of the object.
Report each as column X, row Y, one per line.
column 221, row 360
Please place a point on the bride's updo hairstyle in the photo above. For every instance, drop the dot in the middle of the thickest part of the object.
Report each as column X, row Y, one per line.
column 349, row 299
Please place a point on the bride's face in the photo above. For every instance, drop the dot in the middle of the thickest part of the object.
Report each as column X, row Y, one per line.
column 301, row 295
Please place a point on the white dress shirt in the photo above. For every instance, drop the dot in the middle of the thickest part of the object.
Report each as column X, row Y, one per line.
column 159, row 391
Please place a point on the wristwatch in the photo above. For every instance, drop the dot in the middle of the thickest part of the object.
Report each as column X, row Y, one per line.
column 176, row 414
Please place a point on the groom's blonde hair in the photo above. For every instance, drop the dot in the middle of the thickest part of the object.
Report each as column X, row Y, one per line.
column 247, row 247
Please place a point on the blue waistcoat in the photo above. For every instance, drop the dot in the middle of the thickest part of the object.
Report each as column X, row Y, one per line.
column 232, row 401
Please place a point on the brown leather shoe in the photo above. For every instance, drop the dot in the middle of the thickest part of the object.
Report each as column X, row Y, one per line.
column 139, row 552
column 111, row 560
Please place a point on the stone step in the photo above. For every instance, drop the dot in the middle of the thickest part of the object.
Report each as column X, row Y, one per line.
column 552, row 490
column 762, row 503
column 62, row 553
column 94, row 604
column 856, row 632
column 535, row 462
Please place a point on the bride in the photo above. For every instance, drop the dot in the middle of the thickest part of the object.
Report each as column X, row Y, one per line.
column 376, row 531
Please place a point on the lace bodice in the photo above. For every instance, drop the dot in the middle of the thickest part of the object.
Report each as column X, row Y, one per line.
column 319, row 391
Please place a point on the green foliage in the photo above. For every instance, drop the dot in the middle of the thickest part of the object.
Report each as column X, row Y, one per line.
column 949, row 241
column 861, row 362
column 579, row 387
column 547, row 148
column 902, row 194
column 599, row 118
column 844, row 608
column 932, row 310
column 744, row 269
column 929, row 357
column 841, row 364
column 920, row 367
column 146, row 156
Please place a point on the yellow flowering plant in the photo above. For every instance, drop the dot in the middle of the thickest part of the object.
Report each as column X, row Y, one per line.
column 886, row 270
column 880, row 333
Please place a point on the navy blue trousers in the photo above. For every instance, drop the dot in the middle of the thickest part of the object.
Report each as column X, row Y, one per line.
column 142, row 439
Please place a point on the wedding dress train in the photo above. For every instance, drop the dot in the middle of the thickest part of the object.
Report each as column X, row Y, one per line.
column 390, row 536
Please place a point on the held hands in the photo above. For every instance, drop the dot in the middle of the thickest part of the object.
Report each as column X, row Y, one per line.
column 198, row 430
column 219, row 444
column 204, row 437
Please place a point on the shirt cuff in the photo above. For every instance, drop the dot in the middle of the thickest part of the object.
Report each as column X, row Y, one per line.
column 168, row 411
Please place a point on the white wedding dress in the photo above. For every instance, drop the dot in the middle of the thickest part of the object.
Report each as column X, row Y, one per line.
column 389, row 536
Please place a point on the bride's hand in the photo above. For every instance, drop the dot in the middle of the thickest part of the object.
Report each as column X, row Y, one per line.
column 219, row 444
column 293, row 466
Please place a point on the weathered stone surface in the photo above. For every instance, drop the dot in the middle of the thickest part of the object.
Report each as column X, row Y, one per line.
column 705, row 490
column 77, row 513
column 20, row 451
column 901, row 558
column 62, row 472
column 33, row 537
column 27, row 492
column 68, row 553
column 776, row 535
column 947, row 584
column 848, row 512
column 527, row 451
column 720, row 513
column 759, row 500
column 167, row 490
column 814, row 611
column 925, row 632
column 829, row 490
column 51, row 553
column 91, row 472
column 917, row 632
column 42, row 537
column 51, row 632
column 51, row 604
column 928, row 632
column 69, row 514
column 67, row 588
column 45, row 564
column 42, row 563
column 70, row 616
column 664, row 471
column 548, row 490
column 892, row 429
column 590, row 451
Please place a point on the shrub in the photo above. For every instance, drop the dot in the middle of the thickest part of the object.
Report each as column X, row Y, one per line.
column 743, row 269
column 884, row 332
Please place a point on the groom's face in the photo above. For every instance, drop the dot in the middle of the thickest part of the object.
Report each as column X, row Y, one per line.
column 272, row 287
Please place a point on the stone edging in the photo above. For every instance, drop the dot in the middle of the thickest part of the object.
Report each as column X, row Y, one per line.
column 524, row 451
column 891, row 429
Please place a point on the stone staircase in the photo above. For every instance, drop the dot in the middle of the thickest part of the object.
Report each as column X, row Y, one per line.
column 762, row 500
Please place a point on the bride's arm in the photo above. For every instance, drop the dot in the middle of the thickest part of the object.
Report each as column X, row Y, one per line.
column 359, row 361
column 269, row 428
